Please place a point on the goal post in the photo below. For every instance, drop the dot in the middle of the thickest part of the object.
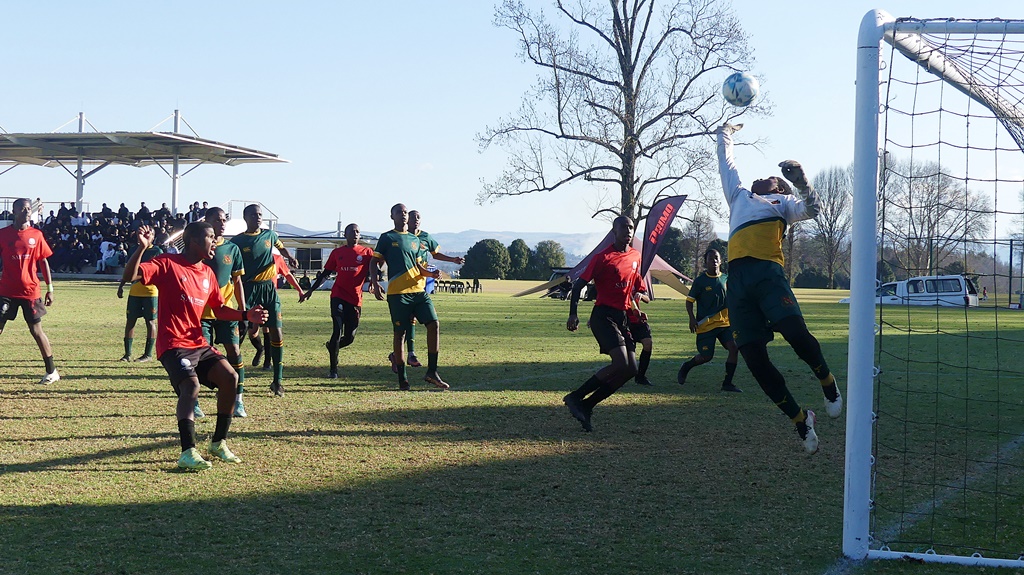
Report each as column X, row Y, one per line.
column 1000, row 91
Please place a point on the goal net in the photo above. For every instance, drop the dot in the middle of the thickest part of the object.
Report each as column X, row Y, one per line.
column 935, row 423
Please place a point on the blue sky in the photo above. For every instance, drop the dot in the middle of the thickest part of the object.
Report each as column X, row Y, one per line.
column 373, row 103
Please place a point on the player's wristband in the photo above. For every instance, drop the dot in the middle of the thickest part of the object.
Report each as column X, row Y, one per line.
column 49, row 288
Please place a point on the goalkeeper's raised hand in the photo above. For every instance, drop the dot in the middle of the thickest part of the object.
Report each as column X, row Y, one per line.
column 794, row 172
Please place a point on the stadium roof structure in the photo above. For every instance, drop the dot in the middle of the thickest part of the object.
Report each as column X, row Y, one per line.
column 137, row 149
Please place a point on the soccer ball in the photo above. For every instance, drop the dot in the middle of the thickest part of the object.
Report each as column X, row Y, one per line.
column 740, row 89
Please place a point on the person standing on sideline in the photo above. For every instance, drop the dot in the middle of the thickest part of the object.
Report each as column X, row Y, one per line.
column 406, row 297
column 257, row 247
column 616, row 274
column 186, row 285
column 708, row 292
column 351, row 263
column 141, row 305
column 640, row 331
column 23, row 253
column 759, row 297
column 226, row 264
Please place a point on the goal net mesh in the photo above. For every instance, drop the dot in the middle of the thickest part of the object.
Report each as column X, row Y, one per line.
column 948, row 442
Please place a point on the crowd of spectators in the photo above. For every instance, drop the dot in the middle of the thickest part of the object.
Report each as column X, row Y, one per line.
column 104, row 239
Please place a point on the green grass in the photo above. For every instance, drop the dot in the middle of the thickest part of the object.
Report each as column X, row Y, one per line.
column 350, row 476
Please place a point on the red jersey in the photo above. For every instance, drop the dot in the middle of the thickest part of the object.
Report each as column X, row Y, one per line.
column 281, row 266
column 616, row 275
column 352, row 264
column 20, row 252
column 185, row 288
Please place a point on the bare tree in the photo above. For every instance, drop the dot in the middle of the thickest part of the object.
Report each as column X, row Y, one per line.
column 928, row 216
column 628, row 94
column 830, row 230
column 698, row 233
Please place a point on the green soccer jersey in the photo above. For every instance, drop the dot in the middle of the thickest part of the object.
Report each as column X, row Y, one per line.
column 258, row 254
column 709, row 294
column 226, row 265
column 428, row 245
column 401, row 252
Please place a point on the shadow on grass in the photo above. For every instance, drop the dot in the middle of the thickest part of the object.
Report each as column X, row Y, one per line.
column 639, row 495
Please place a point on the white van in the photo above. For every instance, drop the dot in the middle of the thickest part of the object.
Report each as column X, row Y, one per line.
column 948, row 291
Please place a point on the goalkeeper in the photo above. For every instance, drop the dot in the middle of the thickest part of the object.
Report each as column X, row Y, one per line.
column 760, row 300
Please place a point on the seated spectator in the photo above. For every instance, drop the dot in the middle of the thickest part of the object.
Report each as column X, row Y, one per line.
column 79, row 258
column 123, row 215
column 63, row 211
column 50, row 219
column 304, row 282
column 108, row 259
column 106, row 212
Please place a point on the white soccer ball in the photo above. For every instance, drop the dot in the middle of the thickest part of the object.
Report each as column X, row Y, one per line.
column 740, row 89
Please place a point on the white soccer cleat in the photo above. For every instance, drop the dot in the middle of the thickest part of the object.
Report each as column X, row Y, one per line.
column 49, row 378
column 809, row 437
column 834, row 408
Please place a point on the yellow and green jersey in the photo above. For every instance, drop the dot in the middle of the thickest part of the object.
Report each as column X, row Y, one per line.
column 708, row 292
column 140, row 289
column 258, row 254
column 403, row 252
column 226, row 265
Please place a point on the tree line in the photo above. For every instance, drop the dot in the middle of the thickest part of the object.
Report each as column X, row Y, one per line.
column 490, row 259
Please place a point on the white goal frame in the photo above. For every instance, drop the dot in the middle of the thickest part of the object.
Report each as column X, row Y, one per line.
column 876, row 27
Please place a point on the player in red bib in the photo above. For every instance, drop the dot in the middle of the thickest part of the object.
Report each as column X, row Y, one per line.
column 23, row 253
column 616, row 274
column 186, row 285
column 351, row 263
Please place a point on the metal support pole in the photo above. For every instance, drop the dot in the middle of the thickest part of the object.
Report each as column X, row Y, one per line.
column 174, row 169
column 79, row 175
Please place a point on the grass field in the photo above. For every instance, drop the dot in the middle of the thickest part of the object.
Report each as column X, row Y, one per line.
column 351, row 476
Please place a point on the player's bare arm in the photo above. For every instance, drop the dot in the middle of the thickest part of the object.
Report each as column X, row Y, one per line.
column 376, row 268
column 449, row 259
column 44, row 266
column 573, row 323
column 693, row 319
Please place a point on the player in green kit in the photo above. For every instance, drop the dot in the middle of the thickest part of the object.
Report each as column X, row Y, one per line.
column 227, row 267
column 428, row 247
column 257, row 247
column 142, row 301
column 711, row 321
column 406, row 297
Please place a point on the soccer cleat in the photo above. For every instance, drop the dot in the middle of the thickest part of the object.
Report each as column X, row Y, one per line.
column 256, row 359
column 144, row 359
column 391, row 359
column 805, row 429
column 197, row 411
column 192, row 460
column 333, row 374
column 731, row 387
column 834, row 408
column 578, row 411
column 681, row 376
column 403, row 385
column 219, row 449
column 642, row 380
column 239, row 407
column 433, row 378
column 126, row 358
column 412, row 361
column 277, row 388
column 52, row 377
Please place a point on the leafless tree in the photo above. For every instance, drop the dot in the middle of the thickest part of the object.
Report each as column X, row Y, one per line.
column 628, row 93
column 830, row 231
column 698, row 232
column 928, row 216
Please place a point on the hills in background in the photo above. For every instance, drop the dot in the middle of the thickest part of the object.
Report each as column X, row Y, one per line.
column 576, row 245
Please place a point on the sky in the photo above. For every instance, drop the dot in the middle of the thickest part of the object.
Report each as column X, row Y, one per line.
column 375, row 103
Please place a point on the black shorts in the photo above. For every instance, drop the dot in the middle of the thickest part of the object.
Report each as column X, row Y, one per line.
column 345, row 311
column 611, row 329
column 186, row 363
column 640, row 330
column 32, row 310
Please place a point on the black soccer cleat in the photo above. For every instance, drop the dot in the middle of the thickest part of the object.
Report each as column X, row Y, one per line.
column 578, row 411
column 731, row 387
column 276, row 388
column 642, row 380
column 256, row 359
